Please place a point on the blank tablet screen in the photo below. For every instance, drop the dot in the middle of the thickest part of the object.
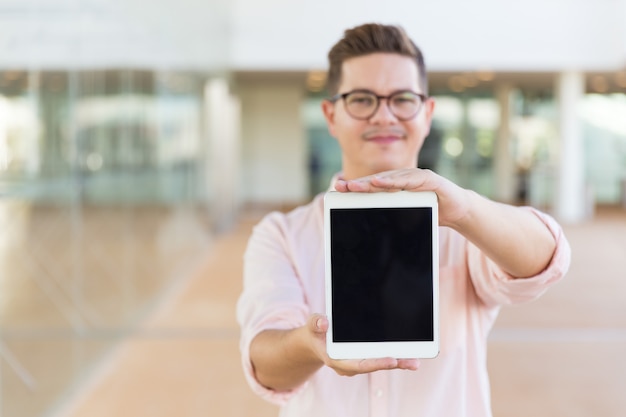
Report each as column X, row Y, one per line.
column 382, row 269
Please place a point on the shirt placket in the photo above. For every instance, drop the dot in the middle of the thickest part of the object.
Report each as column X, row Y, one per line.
column 379, row 394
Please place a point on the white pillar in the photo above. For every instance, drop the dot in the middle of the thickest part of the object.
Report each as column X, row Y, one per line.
column 274, row 143
column 33, row 153
column 570, row 204
column 504, row 162
column 223, row 159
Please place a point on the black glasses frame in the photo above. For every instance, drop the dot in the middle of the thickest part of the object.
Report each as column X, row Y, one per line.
column 343, row 96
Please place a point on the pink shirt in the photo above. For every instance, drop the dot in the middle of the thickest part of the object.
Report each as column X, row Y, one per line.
column 284, row 284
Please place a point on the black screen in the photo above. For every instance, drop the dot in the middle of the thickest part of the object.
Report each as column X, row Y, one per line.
column 382, row 274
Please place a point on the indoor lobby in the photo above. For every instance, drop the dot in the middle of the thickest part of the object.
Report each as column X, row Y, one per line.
column 138, row 151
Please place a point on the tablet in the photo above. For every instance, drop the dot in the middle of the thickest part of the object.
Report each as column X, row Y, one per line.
column 382, row 274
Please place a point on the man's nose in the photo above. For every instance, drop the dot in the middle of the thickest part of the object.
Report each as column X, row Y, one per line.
column 383, row 114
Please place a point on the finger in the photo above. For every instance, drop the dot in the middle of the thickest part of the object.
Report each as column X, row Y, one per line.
column 395, row 180
column 372, row 365
column 341, row 186
column 318, row 323
column 409, row 364
column 362, row 185
column 390, row 181
column 359, row 185
column 411, row 180
column 363, row 366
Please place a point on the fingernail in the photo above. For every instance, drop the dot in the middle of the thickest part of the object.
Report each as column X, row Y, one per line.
column 318, row 323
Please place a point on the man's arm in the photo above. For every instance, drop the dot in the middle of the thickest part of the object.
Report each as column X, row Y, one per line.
column 285, row 359
column 513, row 238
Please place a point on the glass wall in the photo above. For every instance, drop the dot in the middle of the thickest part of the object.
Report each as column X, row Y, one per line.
column 463, row 141
column 324, row 156
column 535, row 147
column 102, row 210
column 605, row 146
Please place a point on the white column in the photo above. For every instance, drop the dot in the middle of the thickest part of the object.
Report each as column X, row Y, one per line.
column 274, row 143
column 504, row 163
column 571, row 201
column 223, row 159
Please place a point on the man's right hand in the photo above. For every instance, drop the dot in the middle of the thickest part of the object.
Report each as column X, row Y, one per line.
column 318, row 326
column 285, row 359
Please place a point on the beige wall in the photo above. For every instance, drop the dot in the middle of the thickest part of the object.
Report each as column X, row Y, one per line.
column 274, row 144
column 279, row 35
column 455, row 35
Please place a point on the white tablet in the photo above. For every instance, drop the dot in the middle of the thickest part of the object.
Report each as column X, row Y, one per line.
column 382, row 274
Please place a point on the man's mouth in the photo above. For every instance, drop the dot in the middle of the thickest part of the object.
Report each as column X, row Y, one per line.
column 383, row 139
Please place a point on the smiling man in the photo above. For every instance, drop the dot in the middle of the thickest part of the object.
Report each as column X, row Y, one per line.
column 491, row 254
column 375, row 137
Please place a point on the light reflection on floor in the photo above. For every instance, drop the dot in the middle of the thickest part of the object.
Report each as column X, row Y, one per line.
column 74, row 281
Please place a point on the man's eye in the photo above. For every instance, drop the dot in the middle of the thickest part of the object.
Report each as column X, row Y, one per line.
column 404, row 99
column 362, row 100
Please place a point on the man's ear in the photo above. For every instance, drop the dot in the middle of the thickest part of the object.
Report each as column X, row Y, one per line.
column 429, row 109
column 328, row 108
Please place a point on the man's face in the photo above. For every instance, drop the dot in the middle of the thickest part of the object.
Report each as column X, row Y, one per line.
column 382, row 142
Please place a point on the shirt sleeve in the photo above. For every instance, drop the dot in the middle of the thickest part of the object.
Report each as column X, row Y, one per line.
column 496, row 287
column 272, row 296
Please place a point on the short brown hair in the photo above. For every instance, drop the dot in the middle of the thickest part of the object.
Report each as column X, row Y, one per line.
column 368, row 39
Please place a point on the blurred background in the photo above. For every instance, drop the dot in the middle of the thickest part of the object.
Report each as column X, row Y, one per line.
column 140, row 141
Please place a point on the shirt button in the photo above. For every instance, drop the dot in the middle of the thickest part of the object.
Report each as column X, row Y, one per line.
column 379, row 393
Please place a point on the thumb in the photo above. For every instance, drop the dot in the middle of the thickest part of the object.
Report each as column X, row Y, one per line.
column 318, row 323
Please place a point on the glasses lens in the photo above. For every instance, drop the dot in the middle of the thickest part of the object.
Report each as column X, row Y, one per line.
column 405, row 104
column 361, row 104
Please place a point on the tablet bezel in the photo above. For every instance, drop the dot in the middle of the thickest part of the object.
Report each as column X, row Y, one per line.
column 365, row 350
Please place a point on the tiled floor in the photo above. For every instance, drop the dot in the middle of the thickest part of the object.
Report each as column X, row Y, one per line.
column 74, row 281
column 185, row 361
column 562, row 355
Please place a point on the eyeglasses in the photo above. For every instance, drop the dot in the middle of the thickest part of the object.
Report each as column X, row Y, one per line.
column 363, row 104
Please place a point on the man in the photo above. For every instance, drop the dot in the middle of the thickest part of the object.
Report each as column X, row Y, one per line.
column 490, row 254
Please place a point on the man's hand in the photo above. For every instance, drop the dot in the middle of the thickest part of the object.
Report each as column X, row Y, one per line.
column 285, row 359
column 515, row 239
column 454, row 204
column 318, row 326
